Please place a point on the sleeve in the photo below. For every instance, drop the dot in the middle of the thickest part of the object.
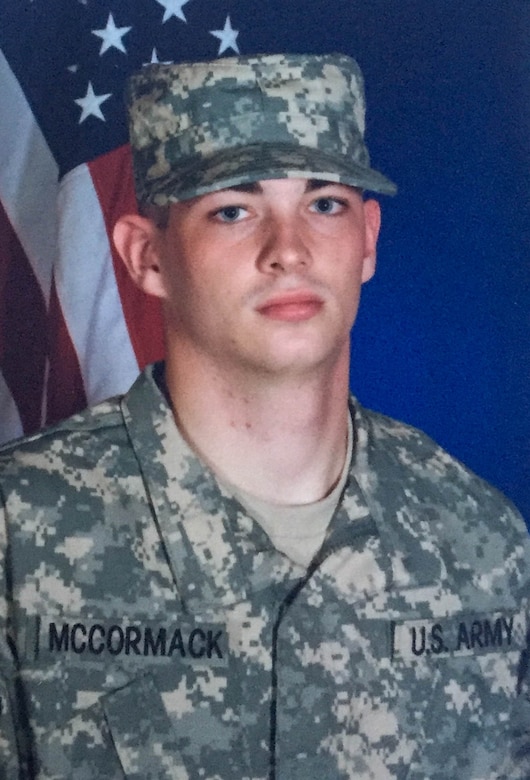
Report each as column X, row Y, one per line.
column 12, row 731
column 518, row 766
column 520, row 754
column 10, row 767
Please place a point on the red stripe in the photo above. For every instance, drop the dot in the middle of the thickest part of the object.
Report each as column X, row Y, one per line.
column 113, row 182
column 66, row 394
column 22, row 327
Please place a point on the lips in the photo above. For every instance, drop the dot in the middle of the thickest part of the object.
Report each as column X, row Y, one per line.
column 295, row 306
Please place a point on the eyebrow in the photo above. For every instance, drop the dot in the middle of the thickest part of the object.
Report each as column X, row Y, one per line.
column 255, row 187
column 316, row 184
column 252, row 186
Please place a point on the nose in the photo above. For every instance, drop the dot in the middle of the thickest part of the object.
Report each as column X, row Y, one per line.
column 283, row 248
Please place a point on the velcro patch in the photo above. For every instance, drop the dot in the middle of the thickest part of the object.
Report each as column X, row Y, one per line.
column 458, row 635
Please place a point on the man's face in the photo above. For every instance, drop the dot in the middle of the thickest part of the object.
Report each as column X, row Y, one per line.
column 266, row 277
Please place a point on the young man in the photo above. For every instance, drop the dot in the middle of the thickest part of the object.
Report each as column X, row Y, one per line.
column 235, row 571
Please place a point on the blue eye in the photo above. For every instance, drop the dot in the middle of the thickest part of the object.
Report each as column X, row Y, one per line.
column 230, row 213
column 327, row 205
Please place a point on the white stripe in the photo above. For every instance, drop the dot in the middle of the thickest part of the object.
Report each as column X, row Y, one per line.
column 10, row 424
column 88, row 293
column 28, row 179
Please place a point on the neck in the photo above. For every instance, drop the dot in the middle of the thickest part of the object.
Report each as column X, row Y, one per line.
column 282, row 439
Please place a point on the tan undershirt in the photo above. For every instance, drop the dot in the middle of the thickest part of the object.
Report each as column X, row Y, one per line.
column 296, row 530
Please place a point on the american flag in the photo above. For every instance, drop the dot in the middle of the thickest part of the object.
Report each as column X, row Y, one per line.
column 73, row 329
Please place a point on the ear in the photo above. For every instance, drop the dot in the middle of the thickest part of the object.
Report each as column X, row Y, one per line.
column 137, row 240
column 372, row 222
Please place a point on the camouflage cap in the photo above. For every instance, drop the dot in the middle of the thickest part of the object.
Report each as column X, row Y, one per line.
column 199, row 127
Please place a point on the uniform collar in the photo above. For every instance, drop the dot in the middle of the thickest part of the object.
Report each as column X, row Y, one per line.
column 218, row 554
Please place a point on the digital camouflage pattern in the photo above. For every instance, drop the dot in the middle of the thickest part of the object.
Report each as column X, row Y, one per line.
column 150, row 630
column 198, row 127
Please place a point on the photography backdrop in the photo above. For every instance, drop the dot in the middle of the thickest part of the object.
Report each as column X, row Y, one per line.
column 442, row 337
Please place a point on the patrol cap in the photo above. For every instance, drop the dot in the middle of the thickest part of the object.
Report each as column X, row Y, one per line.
column 199, row 127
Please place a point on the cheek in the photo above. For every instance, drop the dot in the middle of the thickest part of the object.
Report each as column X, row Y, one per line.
column 205, row 294
column 181, row 294
column 349, row 280
column 181, row 277
column 348, row 266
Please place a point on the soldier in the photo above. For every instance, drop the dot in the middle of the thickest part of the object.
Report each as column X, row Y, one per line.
column 234, row 570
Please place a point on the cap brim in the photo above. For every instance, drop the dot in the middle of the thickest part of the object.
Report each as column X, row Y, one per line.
column 228, row 168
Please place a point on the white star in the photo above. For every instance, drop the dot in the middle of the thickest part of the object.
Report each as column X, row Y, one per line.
column 227, row 36
column 173, row 8
column 91, row 104
column 111, row 36
column 155, row 61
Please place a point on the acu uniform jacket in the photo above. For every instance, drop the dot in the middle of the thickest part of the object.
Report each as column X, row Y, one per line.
column 149, row 628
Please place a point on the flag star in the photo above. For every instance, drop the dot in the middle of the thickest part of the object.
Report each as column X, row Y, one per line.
column 111, row 36
column 155, row 61
column 91, row 103
column 227, row 36
column 173, row 8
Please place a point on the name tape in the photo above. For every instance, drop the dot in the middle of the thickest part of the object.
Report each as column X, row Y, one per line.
column 460, row 635
column 105, row 639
